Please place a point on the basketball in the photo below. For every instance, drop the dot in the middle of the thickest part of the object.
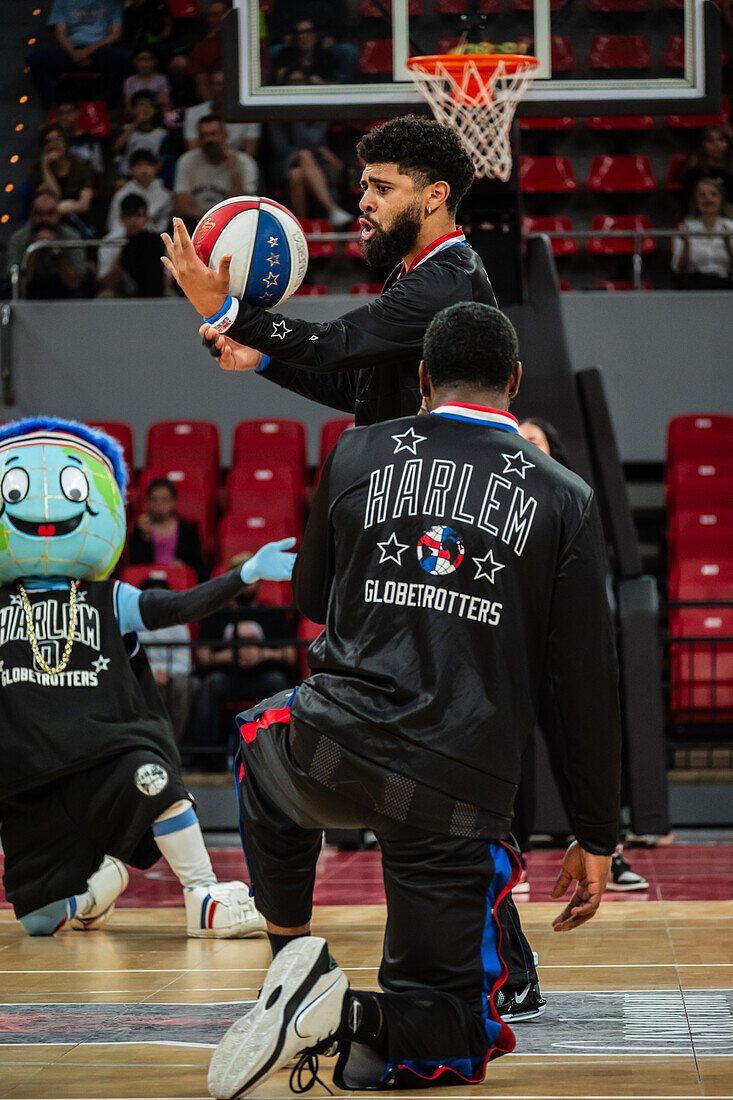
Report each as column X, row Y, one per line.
column 267, row 245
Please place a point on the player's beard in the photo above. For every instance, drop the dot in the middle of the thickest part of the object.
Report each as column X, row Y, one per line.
column 386, row 247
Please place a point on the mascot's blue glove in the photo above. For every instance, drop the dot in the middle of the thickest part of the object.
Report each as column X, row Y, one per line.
column 270, row 563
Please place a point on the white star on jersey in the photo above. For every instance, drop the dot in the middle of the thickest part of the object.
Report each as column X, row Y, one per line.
column 280, row 335
column 16, row 601
column 516, row 464
column 392, row 550
column 100, row 665
column 408, row 441
column 483, row 565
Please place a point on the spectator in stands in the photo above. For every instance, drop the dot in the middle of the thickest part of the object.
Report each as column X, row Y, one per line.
column 343, row 55
column 242, row 136
column 171, row 665
column 309, row 54
column 211, row 173
column 131, row 270
column 146, row 78
column 545, row 436
column 88, row 33
column 144, row 183
column 705, row 263
column 80, row 143
column 713, row 159
column 50, row 273
column 302, row 162
column 147, row 23
column 234, row 675
column 68, row 178
column 161, row 536
column 143, row 132
column 206, row 56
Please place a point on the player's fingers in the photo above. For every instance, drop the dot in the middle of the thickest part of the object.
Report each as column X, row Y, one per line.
column 562, row 882
column 168, row 243
column 169, row 266
column 226, row 358
column 184, row 241
column 207, row 331
column 224, row 264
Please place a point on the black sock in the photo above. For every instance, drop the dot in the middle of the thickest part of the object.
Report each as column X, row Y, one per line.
column 362, row 1021
column 278, row 941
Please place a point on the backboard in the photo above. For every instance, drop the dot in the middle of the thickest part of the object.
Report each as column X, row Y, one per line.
column 597, row 57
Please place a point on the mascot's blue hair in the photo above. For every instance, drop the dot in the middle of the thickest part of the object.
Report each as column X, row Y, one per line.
column 109, row 447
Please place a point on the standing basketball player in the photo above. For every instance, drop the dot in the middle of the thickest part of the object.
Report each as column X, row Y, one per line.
column 461, row 577
column 364, row 363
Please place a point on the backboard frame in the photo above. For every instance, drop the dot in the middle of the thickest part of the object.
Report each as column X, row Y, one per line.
column 246, row 99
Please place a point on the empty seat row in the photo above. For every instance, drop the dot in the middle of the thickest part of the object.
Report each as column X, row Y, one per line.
column 602, row 223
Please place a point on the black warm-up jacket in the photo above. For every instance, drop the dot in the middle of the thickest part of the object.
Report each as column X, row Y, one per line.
column 460, row 573
column 366, row 362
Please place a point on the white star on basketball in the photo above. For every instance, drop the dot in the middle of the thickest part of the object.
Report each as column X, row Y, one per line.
column 408, row 441
column 100, row 665
column 392, row 550
column 516, row 464
column 285, row 330
column 483, row 565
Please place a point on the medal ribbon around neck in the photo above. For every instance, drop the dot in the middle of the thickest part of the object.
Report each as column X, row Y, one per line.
column 27, row 607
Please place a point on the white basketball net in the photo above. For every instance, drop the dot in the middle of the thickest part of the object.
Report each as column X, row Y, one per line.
column 479, row 106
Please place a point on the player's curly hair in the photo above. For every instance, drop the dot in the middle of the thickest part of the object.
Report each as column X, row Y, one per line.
column 470, row 342
column 422, row 148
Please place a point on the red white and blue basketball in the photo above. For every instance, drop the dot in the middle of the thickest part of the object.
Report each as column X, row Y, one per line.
column 267, row 245
column 440, row 551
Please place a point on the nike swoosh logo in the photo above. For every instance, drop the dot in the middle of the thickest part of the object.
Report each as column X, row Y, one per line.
column 520, row 997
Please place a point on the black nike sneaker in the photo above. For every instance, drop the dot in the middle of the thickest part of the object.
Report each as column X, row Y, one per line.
column 517, row 1003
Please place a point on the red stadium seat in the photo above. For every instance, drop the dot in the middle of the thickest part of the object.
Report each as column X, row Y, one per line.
column 179, row 576
column 265, row 478
column 184, row 9
column 625, row 173
column 183, row 443
column 93, row 118
column 620, row 122
column 311, row 290
column 564, row 286
column 240, row 533
column 675, row 170
column 704, row 436
column 621, row 284
column 248, row 496
column 318, row 250
column 565, row 246
column 543, row 175
column 710, row 483
column 275, row 593
column 614, row 246
column 674, row 52
column 701, row 579
column 331, row 431
column 698, row 122
column 460, row 7
column 375, row 56
column 365, row 288
column 698, row 533
column 562, row 51
column 701, row 671
column 531, row 124
column 122, row 432
column 619, row 5
column 528, row 5
column 619, row 51
column 352, row 249
column 369, row 9
column 275, row 442
column 197, row 489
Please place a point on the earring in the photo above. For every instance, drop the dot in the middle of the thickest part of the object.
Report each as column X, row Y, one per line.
column 430, row 210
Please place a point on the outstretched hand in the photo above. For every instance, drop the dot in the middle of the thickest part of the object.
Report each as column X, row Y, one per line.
column 231, row 355
column 590, row 872
column 205, row 289
column 270, row 563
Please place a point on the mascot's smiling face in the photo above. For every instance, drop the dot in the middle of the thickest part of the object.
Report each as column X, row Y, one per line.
column 61, row 501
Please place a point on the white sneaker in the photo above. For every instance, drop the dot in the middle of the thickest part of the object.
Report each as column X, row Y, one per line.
column 298, row 1011
column 96, row 905
column 339, row 218
column 223, row 910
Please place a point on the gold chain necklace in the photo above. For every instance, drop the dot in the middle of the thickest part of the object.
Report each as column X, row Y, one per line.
column 32, row 631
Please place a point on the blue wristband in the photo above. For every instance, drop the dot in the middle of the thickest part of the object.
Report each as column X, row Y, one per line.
column 264, row 362
column 226, row 315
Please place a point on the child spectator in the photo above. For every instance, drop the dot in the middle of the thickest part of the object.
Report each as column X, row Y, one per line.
column 705, row 263
column 132, row 270
column 146, row 78
column 50, row 273
column 88, row 33
column 147, row 23
column 161, row 536
column 143, row 132
column 242, row 136
column 68, row 178
column 206, row 56
column 81, row 144
column 145, row 184
column 302, row 162
column 211, row 173
column 713, row 159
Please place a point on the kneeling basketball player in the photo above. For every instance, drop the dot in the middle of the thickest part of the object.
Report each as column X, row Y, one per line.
column 461, row 577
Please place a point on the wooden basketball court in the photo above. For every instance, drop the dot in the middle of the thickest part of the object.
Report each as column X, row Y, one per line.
column 640, row 1001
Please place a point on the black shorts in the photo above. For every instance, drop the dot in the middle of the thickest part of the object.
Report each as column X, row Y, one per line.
column 55, row 837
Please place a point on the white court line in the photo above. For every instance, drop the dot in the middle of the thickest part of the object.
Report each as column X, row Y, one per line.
column 262, row 969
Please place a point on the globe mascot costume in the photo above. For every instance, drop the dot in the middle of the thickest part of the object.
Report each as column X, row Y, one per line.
column 89, row 771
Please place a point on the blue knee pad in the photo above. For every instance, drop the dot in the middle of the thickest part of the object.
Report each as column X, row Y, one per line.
column 45, row 921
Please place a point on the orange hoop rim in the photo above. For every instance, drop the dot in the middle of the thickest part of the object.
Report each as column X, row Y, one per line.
column 485, row 63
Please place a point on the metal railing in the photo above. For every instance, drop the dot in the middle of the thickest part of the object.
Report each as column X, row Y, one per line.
column 18, row 271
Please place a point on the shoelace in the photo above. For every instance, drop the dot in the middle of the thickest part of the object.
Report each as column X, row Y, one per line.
column 308, row 1063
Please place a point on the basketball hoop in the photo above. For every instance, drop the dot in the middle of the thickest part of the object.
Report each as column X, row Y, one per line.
column 476, row 94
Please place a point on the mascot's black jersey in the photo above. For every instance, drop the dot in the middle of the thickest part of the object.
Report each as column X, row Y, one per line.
column 461, row 576
column 102, row 704
column 366, row 362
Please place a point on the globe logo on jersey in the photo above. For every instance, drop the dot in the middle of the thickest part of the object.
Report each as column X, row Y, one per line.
column 440, row 551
